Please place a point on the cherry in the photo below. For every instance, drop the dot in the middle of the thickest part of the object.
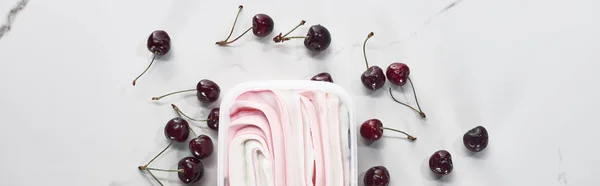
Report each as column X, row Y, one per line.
column 398, row 73
column 207, row 91
column 317, row 39
column 373, row 78
column 441, row 162
column 177, row 129
column 372, row 130
column 212, row 120
column 377, row 176
column 201, row 147
column 262, row 25
column 193, row 170
column 476, row 139
column 324, row 76
column 159, row 43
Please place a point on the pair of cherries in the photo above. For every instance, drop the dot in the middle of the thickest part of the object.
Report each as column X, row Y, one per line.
column 440, row 162
column 397, row 73
column 317, row 39
column 189, row 169
column 475, row 140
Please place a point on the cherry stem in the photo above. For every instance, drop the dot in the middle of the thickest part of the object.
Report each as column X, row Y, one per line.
column 364, row 51
column 234, row 22
column 229, row 42
column 411, row 138
column 176, row 108
column 418, row 111
column 280, row 38
column 181, row 91
column 147, row 164
column 153, row 57
column 416, row 100
column 155, row 178
column 162, row 170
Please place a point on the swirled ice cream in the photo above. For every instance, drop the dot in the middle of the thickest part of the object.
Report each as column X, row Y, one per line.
column 287, row 138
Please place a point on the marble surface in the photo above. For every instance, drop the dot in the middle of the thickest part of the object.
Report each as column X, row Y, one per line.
column 526, row 70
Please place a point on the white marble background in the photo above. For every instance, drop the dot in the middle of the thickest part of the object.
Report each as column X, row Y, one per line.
column 527, row 70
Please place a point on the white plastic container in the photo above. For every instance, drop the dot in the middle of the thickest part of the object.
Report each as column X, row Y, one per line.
column 278, row 85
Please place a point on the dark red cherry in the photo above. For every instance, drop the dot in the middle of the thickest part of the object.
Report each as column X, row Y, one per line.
column 322, row 77
column 193, row 170
column 318, row 38
column 262, row 25
column 159, row 42
column 208, row 91
column 201, row 147
column 213, row 119
column 441, row 162
column 397, row 73
column 177, row 129
column 373, row 78
column 377, row 176
column 476, row 139
column 372, row 130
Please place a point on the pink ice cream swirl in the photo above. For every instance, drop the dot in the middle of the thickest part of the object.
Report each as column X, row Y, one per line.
column 287, row 138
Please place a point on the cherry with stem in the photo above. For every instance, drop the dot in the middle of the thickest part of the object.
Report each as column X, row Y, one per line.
column 207, row 91
column 421, row 113
column 159, row 43
column 317, row 39
column 262, row 25
column 373, row 78
column 372, row 130
column 189, row 170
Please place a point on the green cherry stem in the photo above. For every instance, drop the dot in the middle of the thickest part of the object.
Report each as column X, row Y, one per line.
column 155, row 178
column 176, row 108
column 138, row 77
column 221, row 43
column 416, row 100
column 147, row 164
column 396, row 100
column 234, row 22
column 162, row 170
column 279, row 38
column 177, row 92
column 411, row 138
column 364, row 51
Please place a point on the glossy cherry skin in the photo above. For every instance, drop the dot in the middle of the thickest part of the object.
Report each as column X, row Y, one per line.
column 262, row 25
column 476, row 139
column 159, row 42
column 377, row 176
column 441, row 162
column 373, row 78
column 322, row 77
column 208, row 91
column 371, row 129
column 193, row 169
column 318, row 39
column 177, row 129
column 201, row 147
column 397, row 73
column 213, row 119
